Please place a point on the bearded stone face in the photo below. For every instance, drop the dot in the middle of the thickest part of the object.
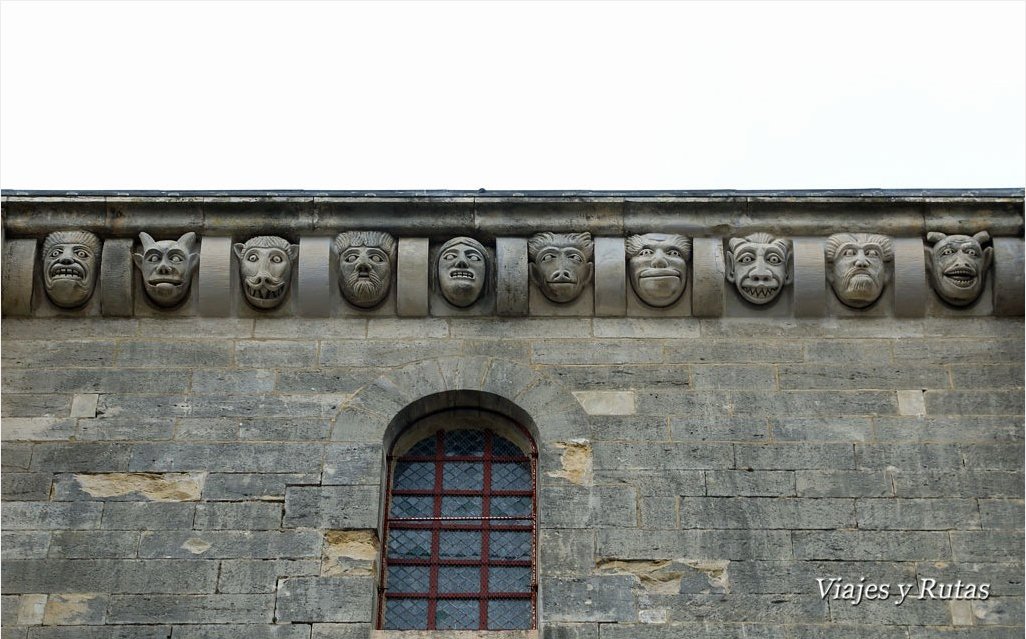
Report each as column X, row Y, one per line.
column 265, row 268
column 560, row 264
column 167, row 268
column 958, row 266
column 658, row 267
column 365, row 275
column 70, row 265
column 758, row 266
column 856, row 267
column 461, row 271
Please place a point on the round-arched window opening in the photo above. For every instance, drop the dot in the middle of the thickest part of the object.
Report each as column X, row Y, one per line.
column 460, row 525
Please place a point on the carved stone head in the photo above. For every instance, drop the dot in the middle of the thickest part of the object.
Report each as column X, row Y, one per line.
column 856, row 266
column 71, row 260
column 365, row 260
column 167, row 267
column 265, row 268
column 561, row 264
column 759, row 266
column 658, row 267
column 462, row 271
column 958, row 265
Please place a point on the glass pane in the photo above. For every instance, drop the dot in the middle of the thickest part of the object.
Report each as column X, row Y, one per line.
column 407, row 506
column 502, row 447
column 409, row 544
column 409, row 579
column 459, row 579
column 509, row 579
column 513, row 476
column 414, row 476
column 461, row 506
column 509, row 614
column 463, row 475
column 406, row 614
column 457, row 614
column 511, row 506
column 424, row 448
column 459, row 544
column 509, row 544
column 464, row 443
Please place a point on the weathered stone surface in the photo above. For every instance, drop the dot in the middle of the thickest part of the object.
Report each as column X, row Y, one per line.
column 243, row 631
column 331, row 507
column 110, row 575
column 325, row 599
column 282, row 458
column 32, row 515
column 240, row 486
column 594, row 599
column 233, row 544
column 227, row 609
column 147, row 516
column 353, row 464
column 871, row 545
column 93, row 544
column 238, row 516
column 249, row 576
column 766, row 513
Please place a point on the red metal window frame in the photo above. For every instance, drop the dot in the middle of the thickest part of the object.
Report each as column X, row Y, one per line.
column 484, row 524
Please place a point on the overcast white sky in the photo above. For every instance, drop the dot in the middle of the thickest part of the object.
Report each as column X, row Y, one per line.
column 268, row 95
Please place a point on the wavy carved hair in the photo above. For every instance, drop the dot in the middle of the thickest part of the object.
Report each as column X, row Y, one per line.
column 580, row 241
column 71, row 237
column 377, row 239
column 835, row 241
column 635, row 243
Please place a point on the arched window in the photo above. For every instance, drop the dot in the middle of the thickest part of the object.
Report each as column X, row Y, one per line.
column 459, row 549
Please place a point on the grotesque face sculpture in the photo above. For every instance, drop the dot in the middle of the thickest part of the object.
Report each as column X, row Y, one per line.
column 70, row 262
column 561, row 264
column 167, row 267
column 365, row 261
column 265, row 268
column 958, row 265
column 462, row 271
column 856, row 266
column 658, row 267
column 759, row 265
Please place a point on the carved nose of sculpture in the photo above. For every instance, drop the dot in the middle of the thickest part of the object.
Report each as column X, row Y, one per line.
column 761, row 273
column 462, row 263
column 659, row 260
column 164, row 269
column 66, row 259
column 861, row 260
column 562, row 276
column 362, row 267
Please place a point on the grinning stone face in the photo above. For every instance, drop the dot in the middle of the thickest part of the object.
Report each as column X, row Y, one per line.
column 70, row 264
column 167, row 267
column 958, row 266
column 265, row 268
column 758, row 266
column 856, row 267
column 658, row 267
column 461, row 271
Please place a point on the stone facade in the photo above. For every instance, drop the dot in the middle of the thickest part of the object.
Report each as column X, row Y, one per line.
column 215, row 468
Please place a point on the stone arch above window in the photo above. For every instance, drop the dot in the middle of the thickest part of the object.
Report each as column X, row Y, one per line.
column 460, row 541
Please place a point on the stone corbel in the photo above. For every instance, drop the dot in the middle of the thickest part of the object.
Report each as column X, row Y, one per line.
column 314, row 291
column 19, row 264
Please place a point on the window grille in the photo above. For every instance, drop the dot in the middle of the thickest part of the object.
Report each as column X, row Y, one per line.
column 459, row 551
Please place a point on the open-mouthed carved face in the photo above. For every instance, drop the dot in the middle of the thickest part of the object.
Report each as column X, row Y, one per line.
column 461, row 271
column 167, row 267
column 265, row 268
column 958, row 268
column 658, row 268
column 69, row 267
column 758, row 269
column 562, row 272
column 858, row 274
column 365, row 275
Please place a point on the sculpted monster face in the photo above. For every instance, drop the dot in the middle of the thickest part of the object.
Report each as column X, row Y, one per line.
column 958, row 265
column 759, row 266
column 658, row 267
column 365, row 266
column 70, row 262
column 462, row 271
column 856, row 266
column 561, row 264
column 265, row 268
column 167, row 267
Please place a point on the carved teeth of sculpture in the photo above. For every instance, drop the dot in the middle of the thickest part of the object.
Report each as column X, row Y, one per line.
column 762, row 292
column 462, row 275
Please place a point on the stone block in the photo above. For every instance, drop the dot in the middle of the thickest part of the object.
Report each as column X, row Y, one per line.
column 342, row 631
column 796, row 456
column 26, row 486
column 226, row 382
column 769, row 513
column 249, row 576
column 708, row 281
column 325, row 599
column 957, row 483
column 528, row 328
column 991, row 457
column 25, row 544
column 587, row 507
column 37, row 429
column 215, row 288
column 33, row 405
column 755, row 608
column 110, row 575
column 102, row 632
column 628, row 427
column 974, row 402
column 314, row 292
column 96, row 381
column 338, row 507
column 811, row 403
column 16, row 329
column 224, row 544
column 245, row 486
column 985, row 545
column 740, row 376
column 275, row 354
column 796, row 577
column 412, row 269
column 384, row 353
column 855, row 376
column 325, row 380
column 606, row 402
column 19, row 264
column 93, row 544
column 238, row 516
column 593, row 599
column 742, row 351
column 596, row 351
column 971, row 350
column 242, row 457
column 32, row 515
column 125, row 428
column 16, row 457
column 63, row 354
column 566, row 552
column 191, row 354
column 917, row 514
column 648, row 328
column 84, row 405
column 75, row 609
column 741, row 545
column 188, row 328
column 191, row 609
column 1001, row 514
column 842, row 483
column 116, row 287
column 353, row 464
column 1008, row 276
column 750, row 483
column 610, row 277
column 243, row 631
column 833, row 350
column 871, row 545
column 986, row 376
column 907, row 457
column 147, row 516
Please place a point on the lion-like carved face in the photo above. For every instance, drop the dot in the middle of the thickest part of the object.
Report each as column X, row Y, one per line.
column 958, row 266
column 167, row 268
column 265, row 268
column 70, row 264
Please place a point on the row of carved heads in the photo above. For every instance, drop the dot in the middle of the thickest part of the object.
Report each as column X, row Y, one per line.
column 561, row 265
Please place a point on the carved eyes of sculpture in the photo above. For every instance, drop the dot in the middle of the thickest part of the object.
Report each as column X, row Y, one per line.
column 70, row 263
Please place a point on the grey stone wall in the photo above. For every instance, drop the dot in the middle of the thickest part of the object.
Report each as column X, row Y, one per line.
column 221, row 478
